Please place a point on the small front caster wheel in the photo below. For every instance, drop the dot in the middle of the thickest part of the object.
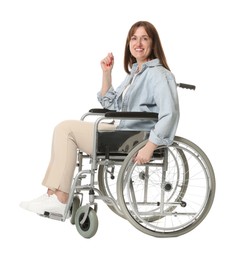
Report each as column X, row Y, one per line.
column 89, row 227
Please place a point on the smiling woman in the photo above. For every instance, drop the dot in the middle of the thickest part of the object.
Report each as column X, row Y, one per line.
column 148, row 87
column 143, row 43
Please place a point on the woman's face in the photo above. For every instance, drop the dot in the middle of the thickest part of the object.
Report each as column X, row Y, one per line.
column 140, row 45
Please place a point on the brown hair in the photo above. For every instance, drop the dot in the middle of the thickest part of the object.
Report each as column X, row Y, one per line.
column 157, row 50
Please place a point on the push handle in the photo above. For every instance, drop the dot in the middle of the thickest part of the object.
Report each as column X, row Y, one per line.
column 187, row 86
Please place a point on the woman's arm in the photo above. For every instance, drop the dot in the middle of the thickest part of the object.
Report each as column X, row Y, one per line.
column 166, row 98
column 107, row 66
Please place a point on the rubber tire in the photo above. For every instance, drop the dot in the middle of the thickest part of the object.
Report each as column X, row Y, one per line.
column 90, row 227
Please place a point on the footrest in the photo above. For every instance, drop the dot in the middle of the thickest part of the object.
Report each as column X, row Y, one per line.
column 51, row 215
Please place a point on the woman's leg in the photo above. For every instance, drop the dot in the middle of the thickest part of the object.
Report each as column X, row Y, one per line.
column 68, row 136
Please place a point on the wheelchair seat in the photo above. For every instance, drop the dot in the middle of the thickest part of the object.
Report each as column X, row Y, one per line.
column 119, row 142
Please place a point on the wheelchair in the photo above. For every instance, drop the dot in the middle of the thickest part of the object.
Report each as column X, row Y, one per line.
column 166, row 197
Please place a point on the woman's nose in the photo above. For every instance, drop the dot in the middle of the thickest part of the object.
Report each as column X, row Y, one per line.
column 139, row 41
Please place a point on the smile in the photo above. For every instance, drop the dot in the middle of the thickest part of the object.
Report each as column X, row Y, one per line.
column 138, row 49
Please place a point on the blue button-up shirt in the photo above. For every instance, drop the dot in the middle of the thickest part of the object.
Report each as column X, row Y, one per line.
column 152, row 90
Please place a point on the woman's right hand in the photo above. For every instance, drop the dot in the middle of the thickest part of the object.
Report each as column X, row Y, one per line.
column 108, row 62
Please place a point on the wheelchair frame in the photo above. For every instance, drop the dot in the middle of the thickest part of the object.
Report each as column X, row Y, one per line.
column 167, row 197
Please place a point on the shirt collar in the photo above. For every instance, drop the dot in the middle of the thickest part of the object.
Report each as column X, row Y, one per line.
column 151, row 63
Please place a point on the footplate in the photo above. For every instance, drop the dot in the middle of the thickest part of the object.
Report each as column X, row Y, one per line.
column 52, row 215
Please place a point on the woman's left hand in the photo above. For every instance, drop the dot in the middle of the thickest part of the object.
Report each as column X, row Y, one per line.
column 144, row 155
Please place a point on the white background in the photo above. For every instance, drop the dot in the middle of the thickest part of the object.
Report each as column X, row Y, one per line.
column 50, row 54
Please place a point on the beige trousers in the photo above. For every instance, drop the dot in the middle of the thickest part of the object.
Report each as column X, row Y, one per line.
column 68, row 137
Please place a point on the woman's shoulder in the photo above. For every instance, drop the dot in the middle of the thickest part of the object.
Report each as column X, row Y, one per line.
column 159, row 72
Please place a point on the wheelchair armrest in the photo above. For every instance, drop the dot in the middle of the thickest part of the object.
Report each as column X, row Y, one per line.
column 100, row 110
column 148, row 115
column 133, row 115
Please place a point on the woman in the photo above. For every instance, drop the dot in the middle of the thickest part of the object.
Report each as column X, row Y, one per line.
column 149, row 86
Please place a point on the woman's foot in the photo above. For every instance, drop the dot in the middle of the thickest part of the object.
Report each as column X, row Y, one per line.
column 45, row 203
column 61, row 195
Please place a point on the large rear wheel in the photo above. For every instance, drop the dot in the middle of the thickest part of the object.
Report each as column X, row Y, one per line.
column 170, row 195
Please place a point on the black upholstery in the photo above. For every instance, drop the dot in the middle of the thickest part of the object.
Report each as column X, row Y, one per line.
column 119, row 141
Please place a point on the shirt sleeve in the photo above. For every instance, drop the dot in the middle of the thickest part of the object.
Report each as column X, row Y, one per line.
column 109, row 100
column 113, row 98
column 166, row 98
